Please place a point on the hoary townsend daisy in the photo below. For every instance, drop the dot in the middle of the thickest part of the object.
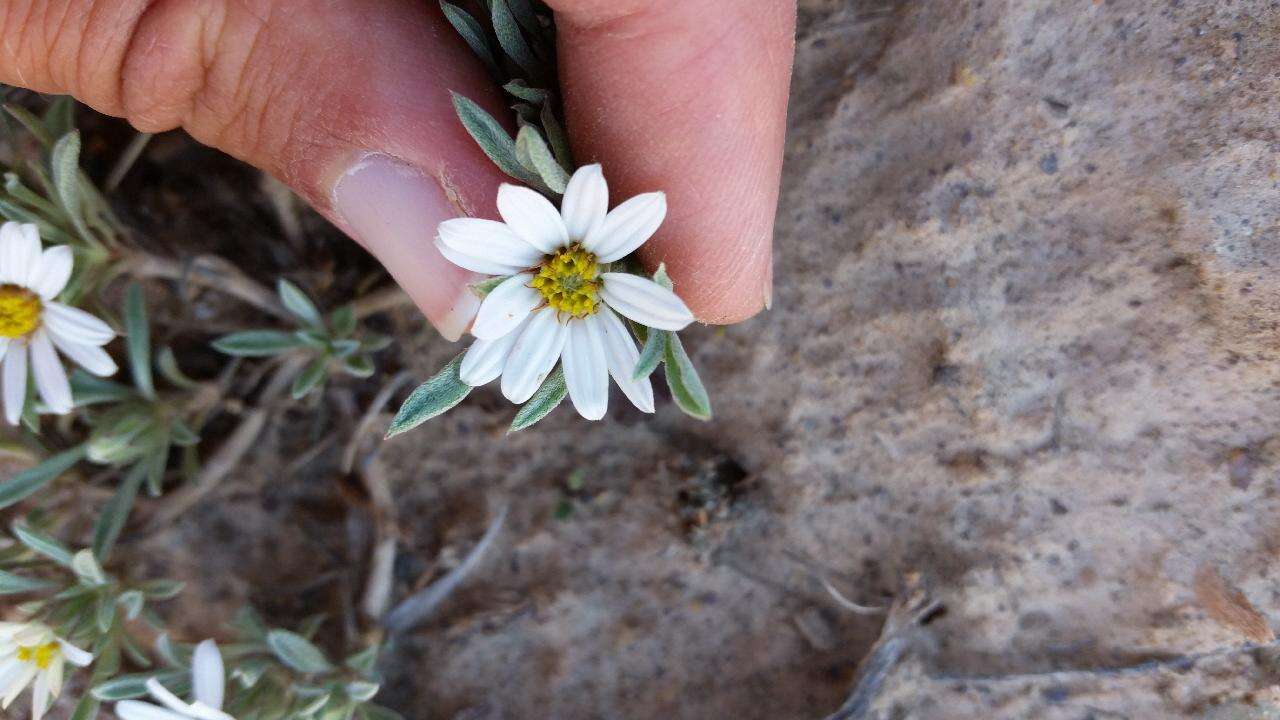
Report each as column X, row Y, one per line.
column 32, row 652
column 32, row 324
column 208, row 686
column 561, row 300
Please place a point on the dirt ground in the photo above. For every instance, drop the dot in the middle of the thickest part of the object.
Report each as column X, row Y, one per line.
column 1025, row 346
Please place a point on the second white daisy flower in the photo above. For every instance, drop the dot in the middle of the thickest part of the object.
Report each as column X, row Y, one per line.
column 561, row 302
column 32, row 324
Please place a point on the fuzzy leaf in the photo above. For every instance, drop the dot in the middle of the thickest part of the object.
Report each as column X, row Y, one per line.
column 486, row 286
column 297, row 652
column 64, row 161
column 544, row 400
column 492, row 139
column 89, row 390
column 87, row 569
column 310, row 378
column 556, row 137
column 11, row 584
column 444, row 390
column 521, row 89
column 33, row 124
column 654, row 350
column 523, row 12
column 59, row 118
column 167, row 364
column 257, row 343
column 343, row 321
column 138, row 340
column 511, row 38
column 472, row 33
column 22, row 485
column 116, row 511
column 360, row 366
column 297, row 302
column 534, row 154
column 682, row 378
column 42, row 544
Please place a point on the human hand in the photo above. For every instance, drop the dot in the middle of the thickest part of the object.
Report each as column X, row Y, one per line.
column 348, row 103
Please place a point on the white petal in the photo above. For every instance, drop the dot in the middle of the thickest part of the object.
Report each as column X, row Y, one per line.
column 485, row 359
column 52, row 272
column 586, row 200
column 474, row 264
column 14, row 380
column 208, row 678
column 533, row 356
column 40, row 696
column 19, row 252
column 197, row 710
column 75, row 655
column 76, row 325
column 505, row 307
column 138, row 710
column 10, row 671
column 26, row 673
column 51, row 378
column 488, row 240
column 620, row 349
column 90, row 357
column 585, row 369
column 532, row 217
column 627, row 226
column 55, row 676
column 4, row 347
column 645, row 301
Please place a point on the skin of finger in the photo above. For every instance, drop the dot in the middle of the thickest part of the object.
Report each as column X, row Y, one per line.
column 689, row 98
column 301, row 89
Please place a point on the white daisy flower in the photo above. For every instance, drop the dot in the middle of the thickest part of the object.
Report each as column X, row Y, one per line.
column 32, row 324
column 31, row 651
column 208, row 685
column 561, row 301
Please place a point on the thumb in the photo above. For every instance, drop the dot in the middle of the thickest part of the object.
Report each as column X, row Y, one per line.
column 347, row 102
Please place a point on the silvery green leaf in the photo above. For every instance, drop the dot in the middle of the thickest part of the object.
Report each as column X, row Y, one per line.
column 134, row 652
column 310, row 378
column 472, row 33
column 132, row 602
column 661, row 277
column 11, row 584
column 116, row 511
column 361, row 691
column 365, row 661
column 257, row 343
column 313, row 337
column 526, row 115
column 360, row 366
column 654, row 350
column 544, row 400
column 343, row 348
column 23, row 194
column 377, row 712
column 521, row 89
column 167, row 364
column 249, row 672
column 297, row 652
column 86, row 709
column 181, row 434
column 486, row 286
column 48, row 231
column 534, row 154
column 372, row 343
column 313, row 705
column 59, row 117
column 682, row 378
column 87, row 569
column 297, row 302
column 42, row 544
column 511, row 38
column 343, row 321
column 33, row 124
column 22, row 485
column 138, row 340
column 113, row 440
column 556, row 137
column 492, row 138
column 250, row 624
column 161, row 589
column 127, row 687
column 157, row 462
column 523, row 12
column 104, row 615
column 64, row 161
column 171, row 654
column 433, row 397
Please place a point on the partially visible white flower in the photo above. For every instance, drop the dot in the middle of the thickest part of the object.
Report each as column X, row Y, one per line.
column 561, row 301
column 31, row 651
column 208, row 686
column 32, row 324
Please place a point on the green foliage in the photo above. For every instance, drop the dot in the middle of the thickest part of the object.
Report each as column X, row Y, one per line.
column 433, row 397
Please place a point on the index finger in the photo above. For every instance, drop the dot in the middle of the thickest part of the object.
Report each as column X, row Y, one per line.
column 688, row 98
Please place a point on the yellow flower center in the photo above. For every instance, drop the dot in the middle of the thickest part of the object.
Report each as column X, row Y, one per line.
column 569, row 281
column 41, row 655
column 19, row 311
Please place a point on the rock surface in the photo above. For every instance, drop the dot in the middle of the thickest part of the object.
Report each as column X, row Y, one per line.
column 1025, row 342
